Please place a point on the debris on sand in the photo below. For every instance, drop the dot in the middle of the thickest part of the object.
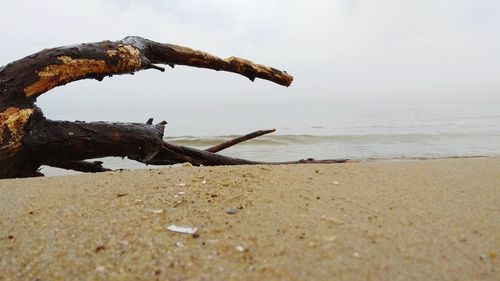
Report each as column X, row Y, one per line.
column 100, row 269
column 182, row 229
column 156, row 211
column 332, row 220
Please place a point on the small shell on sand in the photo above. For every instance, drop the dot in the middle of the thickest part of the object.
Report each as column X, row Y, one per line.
column 182, row 229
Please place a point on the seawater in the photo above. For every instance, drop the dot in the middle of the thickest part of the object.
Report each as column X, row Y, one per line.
column 376, row 132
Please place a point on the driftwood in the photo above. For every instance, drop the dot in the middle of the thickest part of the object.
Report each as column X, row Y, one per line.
column 29, row 140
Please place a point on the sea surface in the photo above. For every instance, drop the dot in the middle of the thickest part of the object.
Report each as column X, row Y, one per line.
column 364, row 133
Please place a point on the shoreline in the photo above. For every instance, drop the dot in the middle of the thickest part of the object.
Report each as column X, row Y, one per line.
column 59, row 172
column 410, row 219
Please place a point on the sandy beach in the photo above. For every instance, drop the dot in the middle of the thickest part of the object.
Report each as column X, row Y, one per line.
column 389, row 220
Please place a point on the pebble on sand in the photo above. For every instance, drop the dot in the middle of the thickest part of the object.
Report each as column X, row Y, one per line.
column 100, row 268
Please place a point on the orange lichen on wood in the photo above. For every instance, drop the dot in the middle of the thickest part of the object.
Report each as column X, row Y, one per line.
column 71, row 69
column 242, row 64
column 12, row 123
column 188, row 56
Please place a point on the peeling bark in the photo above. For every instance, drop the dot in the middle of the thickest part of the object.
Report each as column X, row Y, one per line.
column 28, row 139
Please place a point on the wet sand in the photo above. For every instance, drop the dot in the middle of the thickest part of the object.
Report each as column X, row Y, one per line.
column 391, row 220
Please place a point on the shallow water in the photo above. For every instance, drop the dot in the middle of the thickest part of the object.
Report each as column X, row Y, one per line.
column 382, row 132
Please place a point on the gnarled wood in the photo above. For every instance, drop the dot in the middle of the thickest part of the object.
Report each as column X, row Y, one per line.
column 28, row 139
column 26, row 79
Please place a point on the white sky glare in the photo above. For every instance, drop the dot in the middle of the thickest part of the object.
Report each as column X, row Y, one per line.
column 339, row 51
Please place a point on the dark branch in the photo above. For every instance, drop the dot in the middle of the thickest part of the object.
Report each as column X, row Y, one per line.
column 24, row 80
column 237, row 140
column 80, row 166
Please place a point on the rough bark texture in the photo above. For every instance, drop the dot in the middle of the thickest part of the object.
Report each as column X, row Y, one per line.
column 28, row 140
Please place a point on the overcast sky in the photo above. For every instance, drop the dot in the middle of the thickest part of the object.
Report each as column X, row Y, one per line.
column 341, row 52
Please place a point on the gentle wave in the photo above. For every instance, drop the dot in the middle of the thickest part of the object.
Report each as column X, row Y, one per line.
column 324, row 139
column 373, row 132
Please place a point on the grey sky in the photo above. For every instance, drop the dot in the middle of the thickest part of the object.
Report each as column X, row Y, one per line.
column 340, row 52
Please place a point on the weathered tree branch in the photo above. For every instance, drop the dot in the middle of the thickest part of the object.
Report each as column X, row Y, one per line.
column 28, row 78
column 237, row 140
column 28, row 140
